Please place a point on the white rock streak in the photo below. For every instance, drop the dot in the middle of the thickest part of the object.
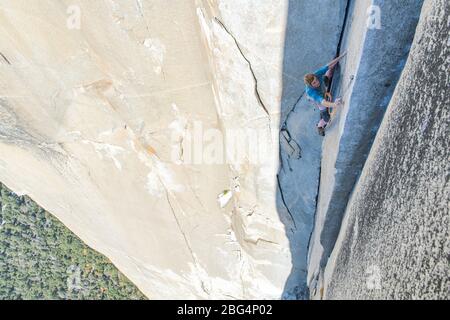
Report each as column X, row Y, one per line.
column 157, row 51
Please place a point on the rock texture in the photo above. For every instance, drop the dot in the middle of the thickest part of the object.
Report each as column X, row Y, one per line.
column 395, row 240
column 175, row 137
column 107, row 111
column 377, row 52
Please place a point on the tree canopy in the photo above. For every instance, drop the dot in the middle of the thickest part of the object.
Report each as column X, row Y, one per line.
column 41, row 259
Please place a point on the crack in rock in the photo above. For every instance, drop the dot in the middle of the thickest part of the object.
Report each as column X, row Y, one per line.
column 256, row 241
column 284, row 201
column 296, row 150
column 194, row 258
column 286, row 134
column 258, row 96
column 4, row 58
column 178, row 223
column 294, row 107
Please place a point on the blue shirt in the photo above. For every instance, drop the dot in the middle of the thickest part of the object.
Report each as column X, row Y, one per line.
column 317, row 94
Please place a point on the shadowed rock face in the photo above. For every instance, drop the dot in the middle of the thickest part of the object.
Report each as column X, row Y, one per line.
column 366, row 80
column 395, row 243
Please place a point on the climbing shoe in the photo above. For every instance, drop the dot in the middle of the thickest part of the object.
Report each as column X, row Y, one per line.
column 321, row 131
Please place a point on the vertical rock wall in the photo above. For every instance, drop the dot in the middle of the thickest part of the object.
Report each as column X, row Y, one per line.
column 111, row 114
column 377, row 38
column 258, row 85
column 122, row 123
column 395, row 240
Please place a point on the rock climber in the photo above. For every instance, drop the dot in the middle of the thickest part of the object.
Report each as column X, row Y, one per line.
column 318, row 90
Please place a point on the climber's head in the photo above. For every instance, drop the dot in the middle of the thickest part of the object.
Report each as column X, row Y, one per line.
column 312, row 81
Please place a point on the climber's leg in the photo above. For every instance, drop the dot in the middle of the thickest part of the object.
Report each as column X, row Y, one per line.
column 321, row 131
column 325, row 115
column 324, row 120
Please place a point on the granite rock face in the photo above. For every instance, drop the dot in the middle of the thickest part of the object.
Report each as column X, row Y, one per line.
column 175, row 136
column 111, row 114
column 395, row 240
column 377, row 37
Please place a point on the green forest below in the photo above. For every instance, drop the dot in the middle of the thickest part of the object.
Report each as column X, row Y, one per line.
column 41, row 259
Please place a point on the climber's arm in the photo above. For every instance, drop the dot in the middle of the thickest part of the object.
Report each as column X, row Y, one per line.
column 329, row 104
column 333, row 63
